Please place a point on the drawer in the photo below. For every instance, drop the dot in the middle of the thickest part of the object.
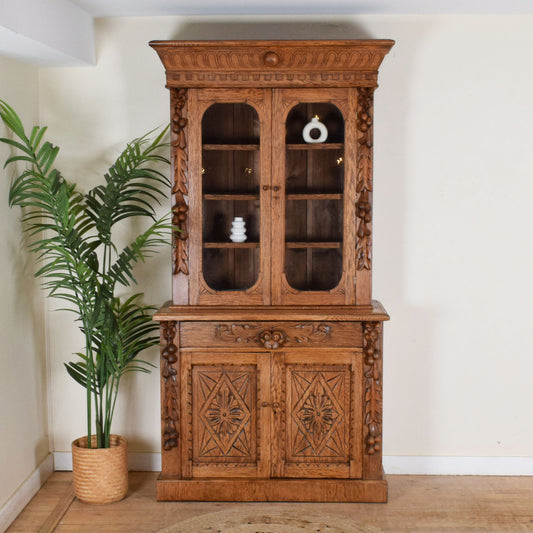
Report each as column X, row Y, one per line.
column 270, row 335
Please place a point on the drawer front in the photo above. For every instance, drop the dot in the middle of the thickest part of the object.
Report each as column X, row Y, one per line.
column 270, row 335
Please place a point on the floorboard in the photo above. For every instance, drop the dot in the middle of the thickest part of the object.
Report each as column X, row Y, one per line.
column 416, row 504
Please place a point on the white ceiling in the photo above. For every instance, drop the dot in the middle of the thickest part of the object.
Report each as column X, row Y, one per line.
column 60, row 32
column 113, row 8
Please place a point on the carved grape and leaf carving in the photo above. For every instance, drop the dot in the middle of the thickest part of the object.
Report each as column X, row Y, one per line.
column 272, row 338
column 179, row 190
column 318, row 416
column 373, row 406
column 170, row 397
column 364, row 178
column 223, row 412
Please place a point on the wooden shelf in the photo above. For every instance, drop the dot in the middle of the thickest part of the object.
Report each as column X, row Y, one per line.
column 315, row 146
column 235, row 147
column 235, row 197
column 313, row 244
column 314, row 196
column 229, row 245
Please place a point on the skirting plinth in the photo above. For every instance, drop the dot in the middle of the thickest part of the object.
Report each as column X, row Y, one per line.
column 272, row 490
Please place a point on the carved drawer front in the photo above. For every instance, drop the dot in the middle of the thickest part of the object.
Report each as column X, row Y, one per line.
column 270, row 335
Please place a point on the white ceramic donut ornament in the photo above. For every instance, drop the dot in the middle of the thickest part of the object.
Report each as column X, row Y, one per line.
column 315, row 124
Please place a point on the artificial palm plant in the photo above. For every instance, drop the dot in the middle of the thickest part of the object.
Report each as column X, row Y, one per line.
column 72, row 236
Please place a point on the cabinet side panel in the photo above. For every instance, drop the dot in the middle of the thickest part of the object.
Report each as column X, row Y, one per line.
column 195, row 188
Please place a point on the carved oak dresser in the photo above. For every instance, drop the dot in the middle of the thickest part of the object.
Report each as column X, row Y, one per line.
column 271, row 360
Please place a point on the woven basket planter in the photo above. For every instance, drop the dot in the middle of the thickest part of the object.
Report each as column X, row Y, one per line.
column 100, row 474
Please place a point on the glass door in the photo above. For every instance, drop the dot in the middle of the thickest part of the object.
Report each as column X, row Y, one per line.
column 234, row 165
column 313, row 176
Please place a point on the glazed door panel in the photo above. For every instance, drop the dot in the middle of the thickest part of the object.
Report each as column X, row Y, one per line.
column 313, row 240
column 229, row 176
column 319, row 424
column 227, row 435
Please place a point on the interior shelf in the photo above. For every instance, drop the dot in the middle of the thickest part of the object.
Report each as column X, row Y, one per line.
column 314, row 196
column 301, row 244
column 315, row 146
column 230, row 147
column 246, row 244
column 236, row 197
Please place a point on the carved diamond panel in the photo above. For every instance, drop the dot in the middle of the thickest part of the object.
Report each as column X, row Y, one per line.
column 319, row 413
column 223, row 421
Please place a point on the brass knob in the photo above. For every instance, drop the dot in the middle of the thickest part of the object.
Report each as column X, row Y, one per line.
column 271, row 59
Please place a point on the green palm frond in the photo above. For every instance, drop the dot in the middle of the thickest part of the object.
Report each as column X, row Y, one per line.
column 71, row 236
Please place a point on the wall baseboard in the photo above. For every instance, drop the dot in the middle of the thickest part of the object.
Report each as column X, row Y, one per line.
column 393, row 464
column 25, row 492
column 458, row 466
column 138, row 461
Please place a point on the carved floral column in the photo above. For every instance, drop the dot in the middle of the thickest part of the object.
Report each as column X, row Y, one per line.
column 180, row 207
column 364, row 187
column 170, row 392
column 373, row 399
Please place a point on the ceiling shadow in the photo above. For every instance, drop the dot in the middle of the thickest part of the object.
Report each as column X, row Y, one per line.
column 270, row 30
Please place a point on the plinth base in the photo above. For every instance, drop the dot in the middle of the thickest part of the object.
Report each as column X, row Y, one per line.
column 272, row 490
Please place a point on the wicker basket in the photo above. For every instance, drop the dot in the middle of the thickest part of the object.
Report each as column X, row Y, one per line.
column 100, row 474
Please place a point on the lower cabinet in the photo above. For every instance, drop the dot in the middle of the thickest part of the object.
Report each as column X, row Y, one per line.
column 273, row 414
column 286, row 412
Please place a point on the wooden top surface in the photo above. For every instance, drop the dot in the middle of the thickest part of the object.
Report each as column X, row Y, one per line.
column 262, row 313
column 387, row 43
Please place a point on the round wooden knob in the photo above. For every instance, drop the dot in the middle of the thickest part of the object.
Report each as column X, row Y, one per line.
column 271, row 59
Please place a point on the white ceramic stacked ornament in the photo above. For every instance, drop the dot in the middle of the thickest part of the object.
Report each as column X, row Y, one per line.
column 238, row 230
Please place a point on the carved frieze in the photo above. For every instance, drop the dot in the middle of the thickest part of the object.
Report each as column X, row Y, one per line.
column 272, row 338
column 364, row 178
column 373, row 400
column 281, row 79
column 316, row 58
column 180, row 208
column 170, row 405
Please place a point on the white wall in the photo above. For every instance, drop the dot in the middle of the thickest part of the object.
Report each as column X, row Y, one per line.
column 453, row 257
column 23, row 401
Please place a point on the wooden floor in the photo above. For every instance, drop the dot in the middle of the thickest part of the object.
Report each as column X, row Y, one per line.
column 416, row 503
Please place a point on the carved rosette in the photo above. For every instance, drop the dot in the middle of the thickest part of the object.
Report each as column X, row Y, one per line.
column 272, row 338
column 364, row 178
column 373, row 402
column 169, row 356
column 180, row 208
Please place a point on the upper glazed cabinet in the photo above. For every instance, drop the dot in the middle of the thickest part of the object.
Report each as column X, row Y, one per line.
column 272, row 156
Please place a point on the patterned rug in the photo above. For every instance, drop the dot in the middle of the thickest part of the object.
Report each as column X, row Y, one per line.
column 265, row 518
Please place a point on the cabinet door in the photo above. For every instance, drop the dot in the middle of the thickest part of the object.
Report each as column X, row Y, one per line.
column 318, row 422
column 226, row 435
column 230, row 172
column 313, row 198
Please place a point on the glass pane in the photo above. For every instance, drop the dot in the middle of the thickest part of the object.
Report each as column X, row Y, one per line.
column 309, row 269
column 314, row 198
column 230, row 188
